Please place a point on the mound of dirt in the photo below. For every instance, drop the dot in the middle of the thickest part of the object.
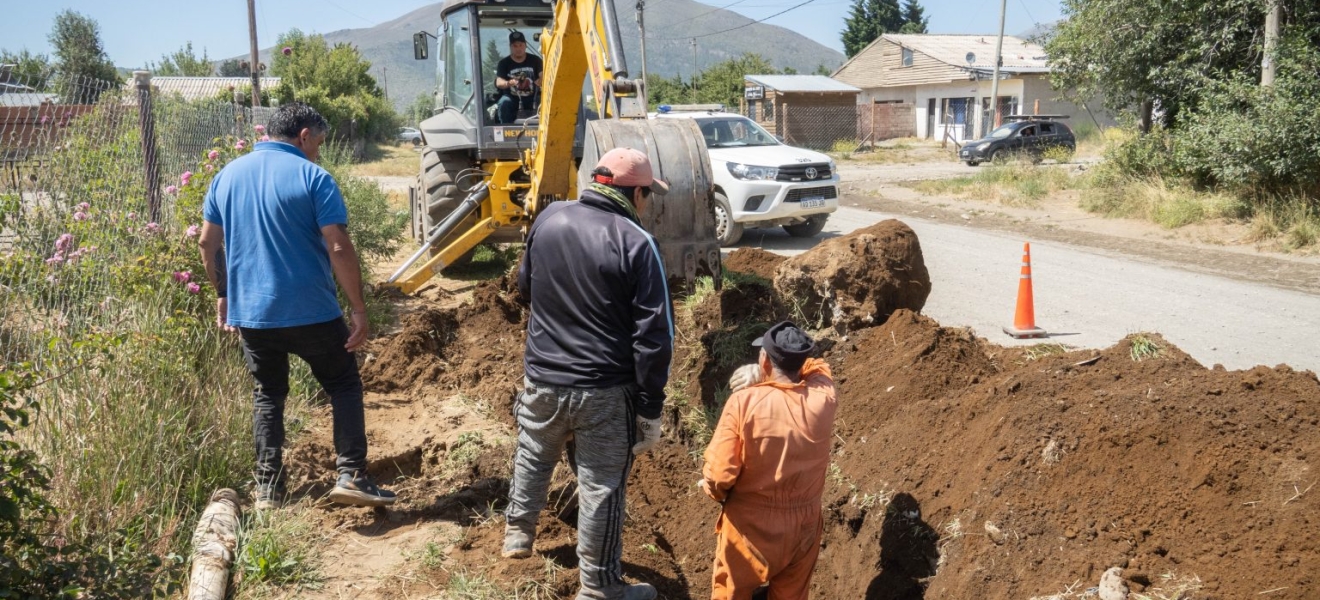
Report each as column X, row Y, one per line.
column 754, row 261
column 859, row 279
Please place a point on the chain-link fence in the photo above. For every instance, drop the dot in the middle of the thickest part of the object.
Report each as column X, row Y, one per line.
column 840, row 127
column 87, row 171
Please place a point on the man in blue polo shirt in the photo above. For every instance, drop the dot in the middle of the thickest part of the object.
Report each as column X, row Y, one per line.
column 274, row 241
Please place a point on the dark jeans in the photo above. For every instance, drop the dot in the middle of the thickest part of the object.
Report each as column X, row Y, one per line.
column 508, row 106
column 266, row 352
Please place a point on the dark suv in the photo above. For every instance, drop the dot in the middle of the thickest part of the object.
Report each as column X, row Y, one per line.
column 1029, row 136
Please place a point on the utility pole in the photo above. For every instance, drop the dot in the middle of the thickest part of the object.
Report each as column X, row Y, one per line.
column 385, row 82
column 999, row 59
column 695, row 70
column 1267, row 64
column 256, row 66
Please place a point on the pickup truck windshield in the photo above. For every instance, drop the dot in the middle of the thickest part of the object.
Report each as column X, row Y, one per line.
column 730, row 132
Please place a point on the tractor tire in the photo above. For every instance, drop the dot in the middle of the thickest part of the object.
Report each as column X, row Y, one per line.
column 438, row 194
column 727, row 231
column 809, row 228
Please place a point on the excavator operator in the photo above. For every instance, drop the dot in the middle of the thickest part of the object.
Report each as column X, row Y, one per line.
column 518, row 79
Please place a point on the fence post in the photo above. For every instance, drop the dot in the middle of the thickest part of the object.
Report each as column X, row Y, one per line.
column 873, row 107
column 147, row 125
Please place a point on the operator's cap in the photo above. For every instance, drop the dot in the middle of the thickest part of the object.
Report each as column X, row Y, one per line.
column 630, row 168
column 786, row 345
column 517, row 36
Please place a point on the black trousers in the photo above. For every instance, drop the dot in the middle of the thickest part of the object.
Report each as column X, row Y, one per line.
column 321, row 345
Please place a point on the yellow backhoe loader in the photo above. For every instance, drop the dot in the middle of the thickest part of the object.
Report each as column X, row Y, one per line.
column 483, row 180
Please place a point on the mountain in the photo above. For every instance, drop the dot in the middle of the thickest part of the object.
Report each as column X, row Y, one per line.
column 389, row 45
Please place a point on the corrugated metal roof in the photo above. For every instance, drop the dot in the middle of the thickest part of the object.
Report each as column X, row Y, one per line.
column 197, row 88
column 26, row 99
column 802, row 83
column 1020, row 56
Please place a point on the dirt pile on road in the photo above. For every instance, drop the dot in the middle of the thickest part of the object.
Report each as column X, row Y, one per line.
column 859, row 279
column 754, row 261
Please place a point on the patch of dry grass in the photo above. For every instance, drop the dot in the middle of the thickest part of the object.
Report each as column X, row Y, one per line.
column 388, row 161
column 1015, row 183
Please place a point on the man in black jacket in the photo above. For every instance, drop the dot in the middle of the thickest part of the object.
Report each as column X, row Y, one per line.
column 599, row 342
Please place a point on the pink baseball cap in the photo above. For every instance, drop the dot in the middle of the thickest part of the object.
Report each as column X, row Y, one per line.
column 630, row 168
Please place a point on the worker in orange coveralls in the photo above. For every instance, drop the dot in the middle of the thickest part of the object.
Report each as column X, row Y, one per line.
column 766, row 463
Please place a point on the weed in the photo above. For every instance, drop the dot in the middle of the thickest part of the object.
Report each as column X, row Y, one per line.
column 1143, row 348
column 652, row 548
column 731, row 347
column 432, row 555
column 464, row 452
column 1013, row 183
column 489, row 261
column 275, row 552
column 1039, row 351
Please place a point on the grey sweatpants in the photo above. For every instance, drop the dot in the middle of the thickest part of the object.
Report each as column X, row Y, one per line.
column 602, row 424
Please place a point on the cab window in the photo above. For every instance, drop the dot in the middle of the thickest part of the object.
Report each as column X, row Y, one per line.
column 458, row 79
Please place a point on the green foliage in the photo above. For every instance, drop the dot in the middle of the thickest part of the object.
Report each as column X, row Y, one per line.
column 29, row 69
column 234, row 68
column 274, row 552
column 1133, row 51
column 78, row 49
column 421, row 109
column 336, row 81
column 870, row 19
column 721, row 83
column 183, row 62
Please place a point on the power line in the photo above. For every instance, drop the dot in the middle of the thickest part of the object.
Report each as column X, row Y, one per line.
column 369, row 21
column 703, row 14
column 684, row 37
column 1028, row 11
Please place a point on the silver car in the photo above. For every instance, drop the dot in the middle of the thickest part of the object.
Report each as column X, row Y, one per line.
column 409, row 135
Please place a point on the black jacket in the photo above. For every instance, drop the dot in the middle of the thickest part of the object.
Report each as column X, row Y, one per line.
column 600, row 304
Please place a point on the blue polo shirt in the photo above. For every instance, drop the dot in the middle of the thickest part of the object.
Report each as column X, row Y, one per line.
column 272, row 204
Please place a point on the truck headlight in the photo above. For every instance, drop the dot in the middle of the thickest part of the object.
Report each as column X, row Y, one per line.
column 752, row 172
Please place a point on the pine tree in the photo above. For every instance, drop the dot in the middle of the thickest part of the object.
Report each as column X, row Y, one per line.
column 183, row 62
column 79, row 52
column 914, row 17
column 868, row 20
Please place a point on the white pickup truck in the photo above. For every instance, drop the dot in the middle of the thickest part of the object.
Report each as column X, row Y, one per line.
column 760, row 181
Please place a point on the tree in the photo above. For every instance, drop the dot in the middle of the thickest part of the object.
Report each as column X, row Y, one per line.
column 183, row 62
column 79, row 54
column 421, row 109
column 234, row 68
column 722, row 82
column 1139, row 54
column 28, row 69
column 868, row 20
column 821, row 69
column 914, row 17
column 336, row 81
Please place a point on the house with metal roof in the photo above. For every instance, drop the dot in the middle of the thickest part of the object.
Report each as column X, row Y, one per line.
column 798, row 108
column 199, row 88
column 946, row 79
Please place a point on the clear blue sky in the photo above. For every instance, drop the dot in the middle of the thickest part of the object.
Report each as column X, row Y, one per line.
column 137, row 31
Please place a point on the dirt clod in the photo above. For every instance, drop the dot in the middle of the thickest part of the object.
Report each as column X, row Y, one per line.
column 859, row 279
column 754, row 261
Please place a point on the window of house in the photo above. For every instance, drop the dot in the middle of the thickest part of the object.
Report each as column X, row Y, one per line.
column 751, row 109
column 767, row 110
column 907, row 57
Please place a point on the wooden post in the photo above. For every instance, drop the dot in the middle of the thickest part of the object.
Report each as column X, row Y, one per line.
column 214, row 541
column 253, row 56
column 872, row 136
column 147, row 129
column 1035, row 110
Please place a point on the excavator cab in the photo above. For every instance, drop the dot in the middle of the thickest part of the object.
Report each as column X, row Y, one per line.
column 485, row 176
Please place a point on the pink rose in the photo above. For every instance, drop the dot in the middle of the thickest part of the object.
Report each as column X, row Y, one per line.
column 214, row 154
column 80, row 216
column 84, row 206
column 55, row 260
column 194, row 288
column 131, row 216
column 153, row 227
column 171, row 190
column 264, row 138
column 182, row 276
column 259, row 128
column 193, row 231
column 185, row 178
column 240, row 145
column 209, row 167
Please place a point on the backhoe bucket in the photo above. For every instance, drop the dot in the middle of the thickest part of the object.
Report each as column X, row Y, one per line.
column 682, row 221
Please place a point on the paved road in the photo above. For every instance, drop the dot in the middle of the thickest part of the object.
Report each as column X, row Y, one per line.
column 1093, row 298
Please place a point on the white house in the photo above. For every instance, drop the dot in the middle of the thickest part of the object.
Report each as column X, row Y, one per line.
column 946, row 77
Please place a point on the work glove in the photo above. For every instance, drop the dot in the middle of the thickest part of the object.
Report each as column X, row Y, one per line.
column 648, row 434
column 745, row 376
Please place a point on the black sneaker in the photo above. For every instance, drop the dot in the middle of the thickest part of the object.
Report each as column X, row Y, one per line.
column 360, row 491
column 267, row 496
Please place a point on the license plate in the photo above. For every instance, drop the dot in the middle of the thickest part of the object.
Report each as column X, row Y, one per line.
column 816, row 202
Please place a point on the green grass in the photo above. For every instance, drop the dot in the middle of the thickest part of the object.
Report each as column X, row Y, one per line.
column 1143, row 348
column 1014, row 183
column 489, row 261
column 388, row 160
column 276, row 549
column 1167, row 203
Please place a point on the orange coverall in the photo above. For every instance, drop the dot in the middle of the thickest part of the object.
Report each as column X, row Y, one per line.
column 766, row 462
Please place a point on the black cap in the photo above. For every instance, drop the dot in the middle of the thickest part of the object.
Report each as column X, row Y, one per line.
column 787, row 346
column 517, row 36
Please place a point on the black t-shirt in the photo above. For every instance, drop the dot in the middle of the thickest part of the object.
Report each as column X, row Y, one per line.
column 509, row 71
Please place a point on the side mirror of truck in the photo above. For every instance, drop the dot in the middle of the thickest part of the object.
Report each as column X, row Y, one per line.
column 421, row 50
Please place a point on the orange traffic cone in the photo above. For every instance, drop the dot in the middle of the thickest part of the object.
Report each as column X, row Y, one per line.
column 1024, row 322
